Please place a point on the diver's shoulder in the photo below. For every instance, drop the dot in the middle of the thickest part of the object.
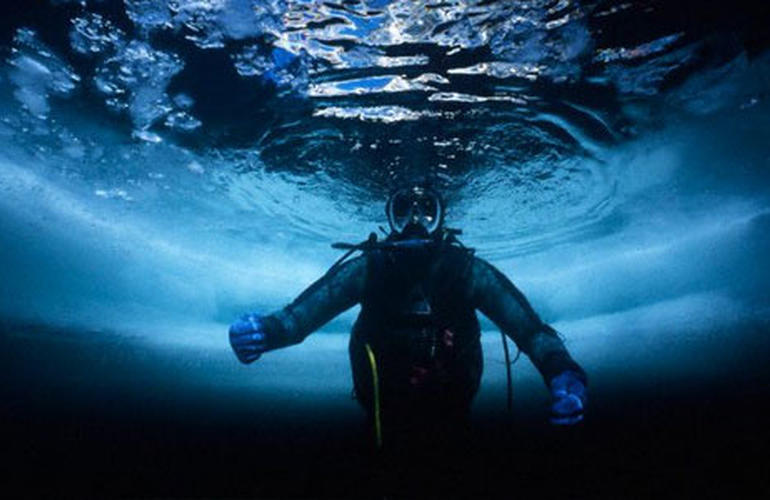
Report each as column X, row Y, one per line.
column 349, row 268
column 353, row 263
column 483, row 269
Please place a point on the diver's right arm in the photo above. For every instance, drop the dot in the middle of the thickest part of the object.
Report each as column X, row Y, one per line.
column 337, row 291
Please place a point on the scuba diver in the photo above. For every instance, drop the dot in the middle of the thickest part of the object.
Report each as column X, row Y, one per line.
column 415, row 347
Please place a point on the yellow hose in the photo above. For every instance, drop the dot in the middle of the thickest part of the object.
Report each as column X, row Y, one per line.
column 376, row 383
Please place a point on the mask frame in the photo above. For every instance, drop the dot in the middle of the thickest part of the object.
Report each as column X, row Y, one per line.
column 415, row 205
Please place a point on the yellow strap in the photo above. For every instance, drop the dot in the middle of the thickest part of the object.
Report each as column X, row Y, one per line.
column 376, row 383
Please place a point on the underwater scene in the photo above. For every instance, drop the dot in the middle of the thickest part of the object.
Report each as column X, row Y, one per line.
column 167, row 166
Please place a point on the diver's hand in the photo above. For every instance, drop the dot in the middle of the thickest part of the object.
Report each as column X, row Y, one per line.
column 569, row 398
column 247, row 338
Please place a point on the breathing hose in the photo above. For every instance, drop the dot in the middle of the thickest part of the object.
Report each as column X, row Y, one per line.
column 376, row 385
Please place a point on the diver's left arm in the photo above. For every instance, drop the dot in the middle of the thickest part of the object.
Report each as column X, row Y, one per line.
column 338, row 290
column 495, row 296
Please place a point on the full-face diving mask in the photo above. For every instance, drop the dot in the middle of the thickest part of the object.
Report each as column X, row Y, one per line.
column 415, row 210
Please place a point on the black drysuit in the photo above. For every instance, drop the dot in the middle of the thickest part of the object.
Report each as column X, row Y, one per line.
column 415, row 348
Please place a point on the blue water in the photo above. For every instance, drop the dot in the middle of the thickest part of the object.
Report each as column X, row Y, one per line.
column 167, row 165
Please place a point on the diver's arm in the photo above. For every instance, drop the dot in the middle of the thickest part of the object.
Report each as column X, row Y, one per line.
column 499, row 300
column 335, row 292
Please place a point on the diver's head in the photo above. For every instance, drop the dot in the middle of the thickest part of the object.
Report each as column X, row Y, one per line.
column 415, row 212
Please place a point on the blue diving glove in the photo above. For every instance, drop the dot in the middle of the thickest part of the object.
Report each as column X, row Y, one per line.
column 247, row 338
column 569, row 398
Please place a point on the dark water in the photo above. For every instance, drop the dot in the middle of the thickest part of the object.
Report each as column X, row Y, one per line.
column 167, row 165
column 92, row 417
